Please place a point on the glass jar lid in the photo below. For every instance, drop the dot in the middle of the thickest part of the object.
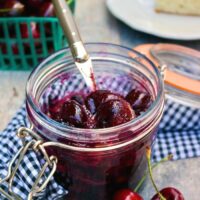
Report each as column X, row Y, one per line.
column 181, row 67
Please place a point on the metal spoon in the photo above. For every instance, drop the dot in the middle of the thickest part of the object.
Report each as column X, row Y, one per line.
column 79, row 53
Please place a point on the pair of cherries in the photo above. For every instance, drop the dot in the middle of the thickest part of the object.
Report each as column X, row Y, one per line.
column 168, row 193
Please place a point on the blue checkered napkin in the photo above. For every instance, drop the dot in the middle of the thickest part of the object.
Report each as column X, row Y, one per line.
column 179, row 132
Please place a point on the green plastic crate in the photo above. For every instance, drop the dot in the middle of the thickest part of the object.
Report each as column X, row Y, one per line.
column 17, row 53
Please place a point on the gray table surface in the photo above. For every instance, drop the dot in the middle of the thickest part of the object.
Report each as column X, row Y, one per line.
column 97, row 25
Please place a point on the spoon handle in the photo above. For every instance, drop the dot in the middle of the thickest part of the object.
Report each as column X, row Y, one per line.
column 71, row 31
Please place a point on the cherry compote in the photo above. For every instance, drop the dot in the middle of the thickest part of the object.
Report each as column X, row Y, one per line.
column 97, row 174
column 100, row 109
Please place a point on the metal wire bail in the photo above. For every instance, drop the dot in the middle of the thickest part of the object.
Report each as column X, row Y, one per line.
column 35, row 144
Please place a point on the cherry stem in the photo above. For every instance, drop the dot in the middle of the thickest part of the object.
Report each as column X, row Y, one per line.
column 167, row 158
column 148, row 154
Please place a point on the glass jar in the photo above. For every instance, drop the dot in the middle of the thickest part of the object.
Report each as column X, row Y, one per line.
column 96, row 162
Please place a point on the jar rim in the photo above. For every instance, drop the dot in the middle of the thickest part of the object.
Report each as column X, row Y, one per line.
column 52, row 123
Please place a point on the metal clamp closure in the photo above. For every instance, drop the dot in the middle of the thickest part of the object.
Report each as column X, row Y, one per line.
column 34, row 144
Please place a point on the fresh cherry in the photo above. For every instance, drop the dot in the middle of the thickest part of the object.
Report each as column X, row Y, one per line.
column 127, row 194
column 25, row 31
column 169, row 193
column 140, row 101
column 98, row 97
column 12, row 8
column 74, row 114
column 113, row 113
column 46, row 9
column 14, row 47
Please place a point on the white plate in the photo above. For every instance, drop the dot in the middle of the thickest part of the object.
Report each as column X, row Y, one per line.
column 140, row 15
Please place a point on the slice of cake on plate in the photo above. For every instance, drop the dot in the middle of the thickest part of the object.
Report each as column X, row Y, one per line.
column 184, row 7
